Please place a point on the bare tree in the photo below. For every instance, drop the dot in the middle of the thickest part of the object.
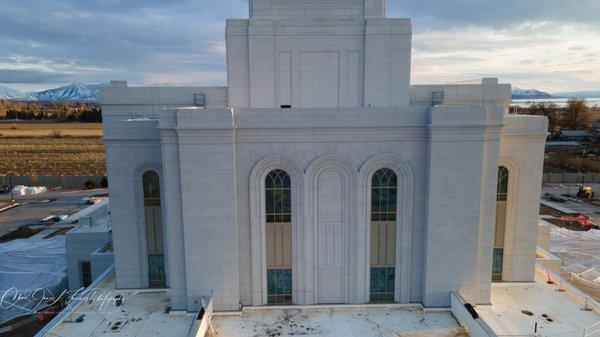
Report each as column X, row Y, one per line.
column 576, row 115
column 550, row 110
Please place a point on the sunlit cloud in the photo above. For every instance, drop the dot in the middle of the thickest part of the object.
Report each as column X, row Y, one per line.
column 550, row 45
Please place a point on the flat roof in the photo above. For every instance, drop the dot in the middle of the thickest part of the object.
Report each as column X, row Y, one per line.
column 334, row 321
column 516, row 307
column 142, row 313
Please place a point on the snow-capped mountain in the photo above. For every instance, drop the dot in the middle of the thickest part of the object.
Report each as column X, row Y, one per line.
column 71, row 92
column 529, row 94
column 10, row 93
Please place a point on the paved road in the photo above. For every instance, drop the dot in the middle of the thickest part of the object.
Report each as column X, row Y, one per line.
column 32, row 209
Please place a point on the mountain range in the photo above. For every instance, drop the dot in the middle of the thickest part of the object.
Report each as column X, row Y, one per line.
column 529, row 94
column 90, row 92
column 72, row 92
column 537, row 94
column 10, row 93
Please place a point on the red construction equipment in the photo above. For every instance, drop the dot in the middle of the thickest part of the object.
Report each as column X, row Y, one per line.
column 581, row 219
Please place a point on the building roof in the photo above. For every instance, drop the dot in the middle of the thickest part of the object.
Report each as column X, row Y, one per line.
column 571, row 143
column 142, row 313
column 575, row 133
column 518, row 306
column 343, row 320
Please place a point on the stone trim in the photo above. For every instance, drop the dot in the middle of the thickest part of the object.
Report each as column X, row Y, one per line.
column 511, row 216
column 404, row 224
column 141, row 221
column 349, row 175
column 258, row 226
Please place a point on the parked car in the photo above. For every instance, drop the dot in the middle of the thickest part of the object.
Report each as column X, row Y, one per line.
column 89, row 201
column 553, row 197
column 54, row 218
column 4, row 188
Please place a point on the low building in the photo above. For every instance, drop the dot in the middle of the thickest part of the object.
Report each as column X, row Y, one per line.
column 89, row 246
column 574, row 135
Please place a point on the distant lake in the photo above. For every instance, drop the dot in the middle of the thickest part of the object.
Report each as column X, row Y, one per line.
column 561, row 102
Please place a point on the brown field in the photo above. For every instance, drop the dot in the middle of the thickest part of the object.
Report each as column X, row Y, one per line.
column 26, row 129
column 595, row 112
column 40, row 149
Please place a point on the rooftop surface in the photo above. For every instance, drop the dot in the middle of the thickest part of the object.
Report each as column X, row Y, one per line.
column 515, row 310
column 142, row 313
column 518, row 306
column 33, row 208
column 364, row 321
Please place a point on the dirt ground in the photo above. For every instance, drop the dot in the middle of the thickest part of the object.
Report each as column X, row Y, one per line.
column 40, row 129
column 48, row 149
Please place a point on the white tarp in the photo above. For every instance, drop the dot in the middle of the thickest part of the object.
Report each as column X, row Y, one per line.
column 30, row 270
column 28, row 190
column 580, row 251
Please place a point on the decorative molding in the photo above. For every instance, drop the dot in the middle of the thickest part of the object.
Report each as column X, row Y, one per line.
column 511, row 215
column 197, row 118
column 141, row 221
column 349, row 175
column 258, row 227
column 466, row 115
column 329, row 117
column 404, row 222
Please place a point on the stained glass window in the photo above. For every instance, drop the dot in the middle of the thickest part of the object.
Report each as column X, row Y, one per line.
column 500, row 226
column 154, row 232
column 384, row 188
column 383, row 195
column 278, row 196
column 278, row 203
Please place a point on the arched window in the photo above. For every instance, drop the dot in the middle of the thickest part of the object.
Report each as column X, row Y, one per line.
column 384, row 187
column 278, row 204
column 154, row 231
column 500, row 227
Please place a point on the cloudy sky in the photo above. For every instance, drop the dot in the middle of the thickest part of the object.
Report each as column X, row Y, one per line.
column 551, row 45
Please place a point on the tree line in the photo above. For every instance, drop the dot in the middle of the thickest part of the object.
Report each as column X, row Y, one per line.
column 55, row 111
column 575, row 116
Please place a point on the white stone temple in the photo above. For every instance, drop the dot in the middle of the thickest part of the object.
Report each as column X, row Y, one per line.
column 319, row 174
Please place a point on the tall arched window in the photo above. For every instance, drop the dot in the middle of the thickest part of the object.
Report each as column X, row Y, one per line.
column 384, row 187
column 154, row 232
column 278, row 202
column 500, row 228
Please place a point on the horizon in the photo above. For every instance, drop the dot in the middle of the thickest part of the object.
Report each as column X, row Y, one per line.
column 544, row 45
column 57, row 86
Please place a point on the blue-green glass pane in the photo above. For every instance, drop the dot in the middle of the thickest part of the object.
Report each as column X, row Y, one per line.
column 497, row 264
column 287, row 201
column 382, row 284
column 375, row 200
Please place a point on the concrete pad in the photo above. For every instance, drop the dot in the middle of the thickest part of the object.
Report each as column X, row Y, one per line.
column 516, row 307
column 364, row 321
column 142, row 313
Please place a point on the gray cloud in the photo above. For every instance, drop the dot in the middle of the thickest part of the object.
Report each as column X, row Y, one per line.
column 493, row 13
column 30, row 76
column 157, row 41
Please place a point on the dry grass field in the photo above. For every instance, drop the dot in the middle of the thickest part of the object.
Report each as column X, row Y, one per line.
column 26, row 129
column 40, row 149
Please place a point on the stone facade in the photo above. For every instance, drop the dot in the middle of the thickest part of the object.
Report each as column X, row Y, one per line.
column 320, row 90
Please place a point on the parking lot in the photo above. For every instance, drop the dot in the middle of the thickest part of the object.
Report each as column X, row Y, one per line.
column 34, row 208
